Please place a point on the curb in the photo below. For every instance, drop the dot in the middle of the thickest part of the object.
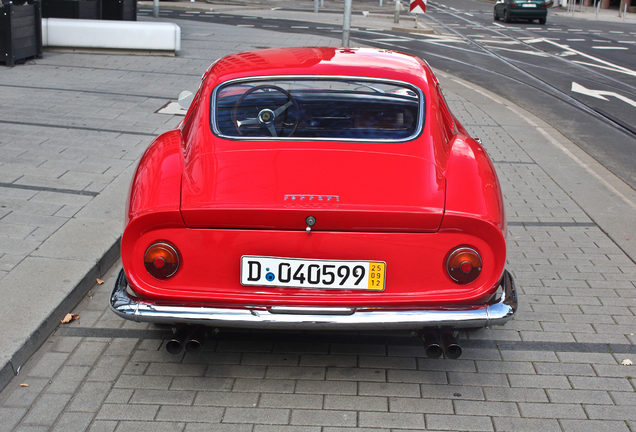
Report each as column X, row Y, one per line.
column 12, row 366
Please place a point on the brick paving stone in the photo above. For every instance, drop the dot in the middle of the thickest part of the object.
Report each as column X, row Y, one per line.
column 227, row 399
column 73, row 421
column 513, row 424
column 594, row 426
column 205, row 427
column 504, row 367
column 415, row 405
column 195, row 414
column 452, row 392
column 68, row 379
column 198, row 383
column 327, row 387
column 149, row 426
column 273, row 400
column 264, row 385
column 503, row 394
column 478, row 379
column 459, row 422
column 328, row 360
column 48, row 365
column 46, row 409
column 143, row 381
column 391, row 420
column 388, row 389
column 279, row 428
column 600, row 383
column 387, row 362
column 539, row 381
column 127, row 412
column 420, row 377
column 323, row 418
column 356, row 374
column 356, row 403
column 10, row 417
column 23, row 397
column 552, row 410
column 270, row 359
column 317, row 373
column 236, row 371
column 162, row 397
column 603, row 412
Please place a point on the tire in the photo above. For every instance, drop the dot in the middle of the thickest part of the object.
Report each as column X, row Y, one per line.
column 507, row 18
column 495, row 16
column 542, row 21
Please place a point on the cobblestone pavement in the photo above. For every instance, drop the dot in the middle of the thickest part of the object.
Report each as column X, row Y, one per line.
column 68, row 150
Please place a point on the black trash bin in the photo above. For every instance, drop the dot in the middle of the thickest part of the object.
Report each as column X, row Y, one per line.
column 20, row 31
column 122, row 10
column 79, row 9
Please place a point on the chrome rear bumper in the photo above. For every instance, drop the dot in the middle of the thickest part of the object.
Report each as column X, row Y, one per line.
column 314, row 318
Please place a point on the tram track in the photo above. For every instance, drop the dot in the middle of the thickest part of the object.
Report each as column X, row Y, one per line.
column 564, row 97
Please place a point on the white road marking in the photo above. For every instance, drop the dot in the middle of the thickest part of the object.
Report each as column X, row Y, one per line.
column 609, row 48
column 614, row 67
column 576, row 40
column 599, row 94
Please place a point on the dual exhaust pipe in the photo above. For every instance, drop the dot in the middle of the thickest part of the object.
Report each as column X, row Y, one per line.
column 189, row 338
column 438, row 342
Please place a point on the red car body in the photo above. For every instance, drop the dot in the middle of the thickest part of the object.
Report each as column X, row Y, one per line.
column 216, row 196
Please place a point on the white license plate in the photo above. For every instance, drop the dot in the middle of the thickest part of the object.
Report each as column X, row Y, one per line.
column 307, row 273
column 531, row 5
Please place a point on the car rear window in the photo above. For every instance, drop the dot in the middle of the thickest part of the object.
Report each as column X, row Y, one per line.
column 317, row 108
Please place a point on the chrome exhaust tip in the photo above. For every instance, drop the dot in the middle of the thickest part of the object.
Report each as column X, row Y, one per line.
column 431, row 344
column 195, row 344
column 452, row 350
column 175, row 345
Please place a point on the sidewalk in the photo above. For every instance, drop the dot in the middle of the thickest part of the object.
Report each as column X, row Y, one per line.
column 74, row 125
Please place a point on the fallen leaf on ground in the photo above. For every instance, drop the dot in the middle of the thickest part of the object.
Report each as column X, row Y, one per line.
column 99, row 281
column 70, row 317
column 627, row 362
column 24, row 385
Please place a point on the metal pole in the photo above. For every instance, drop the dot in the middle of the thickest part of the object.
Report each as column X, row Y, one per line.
column 346, row 23
column 155, row 8
column 396, row 18
column 624, row 11
column 380, row 3
column 316, row 3
column 322, row 3
column 597, row 8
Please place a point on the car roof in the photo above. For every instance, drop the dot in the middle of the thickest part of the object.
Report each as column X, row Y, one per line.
column 361, row 62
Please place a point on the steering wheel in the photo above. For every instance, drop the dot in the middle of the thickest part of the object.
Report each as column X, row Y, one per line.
column 270, row 118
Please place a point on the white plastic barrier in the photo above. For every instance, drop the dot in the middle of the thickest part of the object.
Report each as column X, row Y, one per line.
column 127, row 35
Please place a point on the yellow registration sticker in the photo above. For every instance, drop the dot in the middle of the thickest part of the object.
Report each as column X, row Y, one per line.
column 376, row 275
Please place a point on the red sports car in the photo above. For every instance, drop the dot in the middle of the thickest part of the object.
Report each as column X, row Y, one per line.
column 316, row 188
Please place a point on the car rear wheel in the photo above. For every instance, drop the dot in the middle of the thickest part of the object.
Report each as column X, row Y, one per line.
column 542, row 21
column 495, row 16
column 507, row 16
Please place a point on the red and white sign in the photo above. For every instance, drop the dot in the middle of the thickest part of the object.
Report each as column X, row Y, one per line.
column 418, row 6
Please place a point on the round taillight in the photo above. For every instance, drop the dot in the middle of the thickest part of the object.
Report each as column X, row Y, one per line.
column 463, row 265
column 161, row 260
